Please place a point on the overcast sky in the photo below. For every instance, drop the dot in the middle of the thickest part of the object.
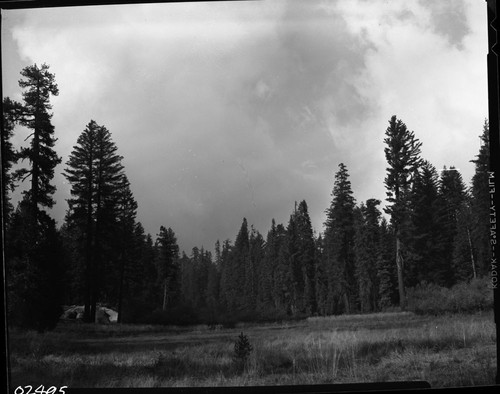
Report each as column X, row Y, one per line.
column 238, row 109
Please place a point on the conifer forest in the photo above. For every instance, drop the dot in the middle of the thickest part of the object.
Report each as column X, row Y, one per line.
column 433, row 232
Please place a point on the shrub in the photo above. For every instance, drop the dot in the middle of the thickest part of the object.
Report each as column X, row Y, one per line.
column 429, row 298
column 242, row 350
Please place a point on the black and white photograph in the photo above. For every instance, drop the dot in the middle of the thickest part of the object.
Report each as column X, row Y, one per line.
column 247, row 193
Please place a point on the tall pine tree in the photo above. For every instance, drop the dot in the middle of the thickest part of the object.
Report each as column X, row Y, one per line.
column 366, row 249
column 453, row 202
column 33, row 228
column 168, row 265
column 306, row 257
column 403, row 157
column 480, row 204
column 96, row 176
column 39, row 85
column 426, row 262
column 339, row 246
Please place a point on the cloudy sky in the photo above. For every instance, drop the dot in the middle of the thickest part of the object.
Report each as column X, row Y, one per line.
column 225, row 110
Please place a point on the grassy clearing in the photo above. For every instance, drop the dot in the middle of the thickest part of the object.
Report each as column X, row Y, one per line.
column 452, row 350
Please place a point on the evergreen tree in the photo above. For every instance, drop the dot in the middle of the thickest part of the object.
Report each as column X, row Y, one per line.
column 402, row 155
column 213, row 286
column 126, row 242
column 95, row 173
column 426, row 261
column 265, row 304
column 388, row 295
column 306, row 257
column 226, row 287
column 39, row 85
column 452, row 197
column 188, row 290
column 140, row 290
column 240, row 258
column 38, row 294
column 321, row 277
column 282, row 289
column 366, row 243
column 12, row 113
column 168, row 268
column 254, row 270
column 339, row 246
column 480, row 204
column 34, row 270
column 202, row 273
column 148, row 257
column 74, row 287
column 294, row 279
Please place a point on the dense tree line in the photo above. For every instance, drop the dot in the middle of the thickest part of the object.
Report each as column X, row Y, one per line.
column 436, row 231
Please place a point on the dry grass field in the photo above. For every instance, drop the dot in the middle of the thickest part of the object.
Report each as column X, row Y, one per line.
column 448, row 350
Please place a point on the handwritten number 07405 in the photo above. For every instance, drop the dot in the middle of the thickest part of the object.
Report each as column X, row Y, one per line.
column 39, row 390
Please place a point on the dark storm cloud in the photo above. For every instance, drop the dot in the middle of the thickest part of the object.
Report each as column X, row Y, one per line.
column 314, row 64
column 249, row 131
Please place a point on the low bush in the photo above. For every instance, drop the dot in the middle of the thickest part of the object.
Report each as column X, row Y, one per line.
column 464, row 297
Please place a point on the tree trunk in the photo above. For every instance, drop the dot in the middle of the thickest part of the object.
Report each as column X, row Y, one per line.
column 346, row 303
column 399, row 265
column 164, row 308
column 120, row 289
column 97, row 257
column 35, row 159
column 88, row 252
column 88, row 281
column 471, row 254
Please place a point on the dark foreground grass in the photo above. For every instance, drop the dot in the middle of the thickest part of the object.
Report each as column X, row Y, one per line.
column 453, row 350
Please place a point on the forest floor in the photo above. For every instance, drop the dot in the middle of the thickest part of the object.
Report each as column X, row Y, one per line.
column 446, row 351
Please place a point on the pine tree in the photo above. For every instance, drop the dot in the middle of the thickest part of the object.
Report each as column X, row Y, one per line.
column 126, row 241
column 366, row 249
column 12, row 113
column 226, row 288
column 139, row 291
column 426, row 261
column 272, row 278
column 339, row 246
column 39, row 85
column 294, row 279
column 150, row 273
column 168, row 268
column 386, row 269
column 240, row 258
column 282, row 279
column 34, row 271
column 188, row 291
column 213, row 286
column 306, row 257
column 452, row 197
column 265, row 304
column 480, row 204
column 32, row 228
column 254, row 270
column 96, row 175
column 402, row 155
column 321, row 277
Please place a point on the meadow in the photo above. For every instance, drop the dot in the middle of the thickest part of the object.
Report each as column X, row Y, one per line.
column 446, row 350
